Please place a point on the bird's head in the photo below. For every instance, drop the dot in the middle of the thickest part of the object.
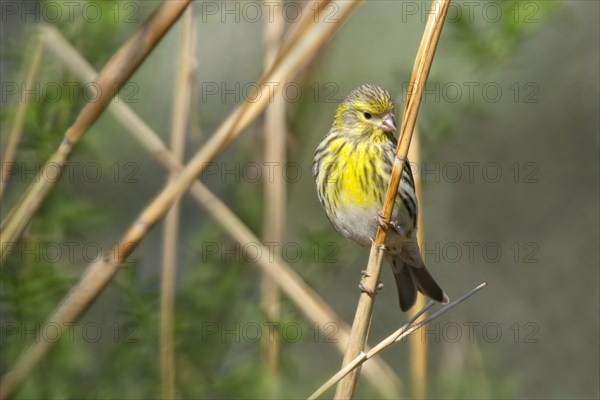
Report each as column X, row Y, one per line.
column 368, row 111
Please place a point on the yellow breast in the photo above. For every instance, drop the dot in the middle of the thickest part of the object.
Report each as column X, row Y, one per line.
column 354, row 174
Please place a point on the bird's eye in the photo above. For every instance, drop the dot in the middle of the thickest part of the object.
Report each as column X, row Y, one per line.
column 367, row 115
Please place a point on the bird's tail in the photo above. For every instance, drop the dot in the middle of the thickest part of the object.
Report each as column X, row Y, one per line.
column 412, row 276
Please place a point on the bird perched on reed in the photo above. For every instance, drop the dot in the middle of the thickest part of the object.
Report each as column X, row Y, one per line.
column 352, row 167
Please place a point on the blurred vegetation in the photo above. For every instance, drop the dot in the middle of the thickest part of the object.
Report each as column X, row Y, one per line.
column 113, row 352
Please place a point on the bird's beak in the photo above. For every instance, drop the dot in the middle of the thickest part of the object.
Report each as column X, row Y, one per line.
column 388, row 123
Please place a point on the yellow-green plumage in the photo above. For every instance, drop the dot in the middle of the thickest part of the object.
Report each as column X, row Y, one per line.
column 352, row 168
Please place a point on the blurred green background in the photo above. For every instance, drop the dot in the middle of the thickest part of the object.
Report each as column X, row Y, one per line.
column 509, row 136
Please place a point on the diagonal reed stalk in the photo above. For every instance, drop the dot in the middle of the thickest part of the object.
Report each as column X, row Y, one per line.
column 364, row 310
column 300, row 28
column 17, row 128
column 99, row 274
column 274, row 137
column 181, row 109
column 407, row 329
column 112, row 77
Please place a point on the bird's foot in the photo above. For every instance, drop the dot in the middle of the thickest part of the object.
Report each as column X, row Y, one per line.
column 398, row 228
column 364, row 287
column 385, row 225
column 382, row 222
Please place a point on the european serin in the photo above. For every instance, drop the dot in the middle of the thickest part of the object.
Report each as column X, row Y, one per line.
column 352, row 168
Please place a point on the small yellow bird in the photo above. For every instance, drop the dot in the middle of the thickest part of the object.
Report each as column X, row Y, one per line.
column 352, row 168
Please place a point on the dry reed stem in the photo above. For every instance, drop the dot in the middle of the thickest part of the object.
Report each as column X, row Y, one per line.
column 298, row 29
column 313, row 307
column 418, row 347
column 98, row 274
column 181, row 109
column 274, row 190
column 362, row 357
column 17, row 128
column 112, row 77
column 364, row 310
column 407, row 329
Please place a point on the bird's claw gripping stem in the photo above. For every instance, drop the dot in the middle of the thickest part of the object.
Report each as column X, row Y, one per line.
column 366, row 289
column 385, row 225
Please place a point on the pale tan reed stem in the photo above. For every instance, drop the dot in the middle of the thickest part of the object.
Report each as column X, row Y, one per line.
column 274, row 191
column 180, row 115
column 417, row 346
column 17, row 128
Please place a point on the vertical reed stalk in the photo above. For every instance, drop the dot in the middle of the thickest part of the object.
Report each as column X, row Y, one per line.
column 418, row 346
column 181, row 109
column 274, row 192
